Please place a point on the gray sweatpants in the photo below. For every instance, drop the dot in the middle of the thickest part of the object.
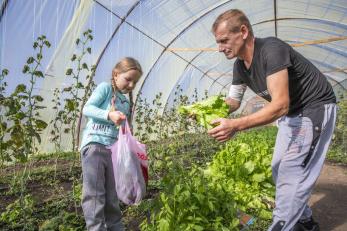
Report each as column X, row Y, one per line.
column 301, row 146
column 99, row 199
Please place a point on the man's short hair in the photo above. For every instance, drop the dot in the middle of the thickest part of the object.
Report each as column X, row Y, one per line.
column 235, row 19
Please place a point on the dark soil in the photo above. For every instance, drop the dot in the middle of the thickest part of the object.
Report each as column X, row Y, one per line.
column 329, row 199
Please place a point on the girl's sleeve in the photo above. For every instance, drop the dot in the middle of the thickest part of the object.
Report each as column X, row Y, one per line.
column 92, row 108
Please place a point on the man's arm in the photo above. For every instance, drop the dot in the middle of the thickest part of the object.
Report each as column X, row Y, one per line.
column 233, row 104
column 278, row 88
column 235, row 96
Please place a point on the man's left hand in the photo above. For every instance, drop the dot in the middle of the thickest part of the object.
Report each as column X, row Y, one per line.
column 225, row 130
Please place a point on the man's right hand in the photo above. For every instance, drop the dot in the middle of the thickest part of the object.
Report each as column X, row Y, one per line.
column 225, row 129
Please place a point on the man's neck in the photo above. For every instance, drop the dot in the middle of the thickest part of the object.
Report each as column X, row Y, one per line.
column 248, row 51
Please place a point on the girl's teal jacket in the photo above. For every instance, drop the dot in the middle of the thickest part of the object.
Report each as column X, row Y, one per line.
column 99, row 128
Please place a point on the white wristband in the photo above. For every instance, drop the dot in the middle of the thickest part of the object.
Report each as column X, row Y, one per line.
column 236, row 92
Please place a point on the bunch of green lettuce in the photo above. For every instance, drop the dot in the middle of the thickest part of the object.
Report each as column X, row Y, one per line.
column 207, row 110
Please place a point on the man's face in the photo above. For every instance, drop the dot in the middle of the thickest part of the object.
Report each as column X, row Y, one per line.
column 230, row 43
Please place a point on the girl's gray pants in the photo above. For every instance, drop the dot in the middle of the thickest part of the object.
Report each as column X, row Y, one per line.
column 99, row 199
column 301, row 146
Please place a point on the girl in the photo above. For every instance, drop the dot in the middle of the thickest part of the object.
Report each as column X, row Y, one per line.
column 106, row 108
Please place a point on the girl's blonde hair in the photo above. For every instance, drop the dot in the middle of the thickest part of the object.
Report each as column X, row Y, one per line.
column 124, row 65
column 127, row 64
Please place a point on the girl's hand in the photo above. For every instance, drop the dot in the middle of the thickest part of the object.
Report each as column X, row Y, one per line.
column 116, row 116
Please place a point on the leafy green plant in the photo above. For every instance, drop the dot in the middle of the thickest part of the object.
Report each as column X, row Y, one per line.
column 4, row 156
column 146, row 119
column 207, row 110
column 23, row 108
column 155, row 123
column 338, row 150
column 190, row 203
column 57, row 121
column 73, row 100
column 89, row 87
column 245, row 166
column 210, row 196
column 19, row 214
column 16, row 183
column 64, row 221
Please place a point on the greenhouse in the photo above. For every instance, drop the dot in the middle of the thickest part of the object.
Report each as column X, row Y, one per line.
column 56, row 54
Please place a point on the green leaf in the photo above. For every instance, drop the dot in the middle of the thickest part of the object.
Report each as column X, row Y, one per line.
column 20, row 115
column 264, row 214
column 40, row 124
column 207, row 110
column 77, row 41
column 39, row 56
column 89, row 50
column 3, row 126
column 38, row 98
column 69, row 71
column 70, row 105
column 73, row 58
column 38, row 73
column 47, row 43
column 30, row 60
column 67, row 89
column 79, row 85
column 38, row 138
column 249, row 166
column 85, row 66
column 40, row 107
column 163, row 225
column 26, row 68
column 4, row 72
column 20, row 88
column 259, row 177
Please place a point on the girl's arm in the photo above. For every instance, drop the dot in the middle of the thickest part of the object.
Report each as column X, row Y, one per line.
column 93, row 109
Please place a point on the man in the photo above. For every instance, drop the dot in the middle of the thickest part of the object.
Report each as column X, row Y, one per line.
column 300, row 97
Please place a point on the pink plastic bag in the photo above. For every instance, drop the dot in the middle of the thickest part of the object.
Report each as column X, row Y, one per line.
column 130, row 166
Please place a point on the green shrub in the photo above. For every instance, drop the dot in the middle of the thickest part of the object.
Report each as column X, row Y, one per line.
column 19, row 214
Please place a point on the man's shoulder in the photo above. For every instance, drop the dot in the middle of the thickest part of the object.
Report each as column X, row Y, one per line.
column 271, row 42
column 270, row 46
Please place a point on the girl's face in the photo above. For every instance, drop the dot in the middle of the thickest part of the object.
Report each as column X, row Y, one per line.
column 126, row 81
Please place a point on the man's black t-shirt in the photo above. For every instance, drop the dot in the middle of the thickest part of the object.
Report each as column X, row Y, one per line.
column 308, row 87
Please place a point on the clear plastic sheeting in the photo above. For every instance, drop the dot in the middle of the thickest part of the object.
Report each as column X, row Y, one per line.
column 119, row 7
column 21, row 23
column 172, row 39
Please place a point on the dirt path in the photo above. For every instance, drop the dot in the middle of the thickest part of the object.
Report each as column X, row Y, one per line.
column 329, row 199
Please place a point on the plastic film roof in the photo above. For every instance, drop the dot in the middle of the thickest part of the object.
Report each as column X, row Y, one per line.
column 172, row 40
